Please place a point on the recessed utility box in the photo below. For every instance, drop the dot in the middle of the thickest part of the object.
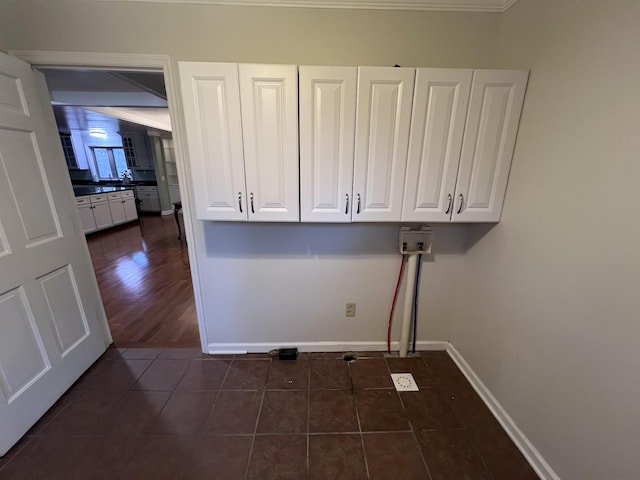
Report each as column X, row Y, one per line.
column 415, row 239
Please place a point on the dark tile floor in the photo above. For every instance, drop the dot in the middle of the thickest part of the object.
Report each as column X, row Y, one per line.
column 178, row 414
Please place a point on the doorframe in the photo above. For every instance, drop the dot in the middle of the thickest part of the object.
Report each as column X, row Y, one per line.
column 141, row 62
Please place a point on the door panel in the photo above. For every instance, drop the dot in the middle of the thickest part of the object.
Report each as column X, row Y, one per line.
column 327, row 130
column 490, row 134
column 437, row 125
column 382, row 135
column 65, row 307
column 211, row 99
column 29, row 195
column 52, row 323
column 22, row 356
column 269, row 104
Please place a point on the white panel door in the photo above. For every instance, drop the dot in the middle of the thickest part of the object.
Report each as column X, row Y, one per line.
column 487, row 148
column 439, row 111
column 383, row 117
column 211, row 100
column 52, row 323
column 327, row 133
column 269, row 104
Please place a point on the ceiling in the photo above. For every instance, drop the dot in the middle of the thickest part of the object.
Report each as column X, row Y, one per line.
column 445, row 5
column 111, row 100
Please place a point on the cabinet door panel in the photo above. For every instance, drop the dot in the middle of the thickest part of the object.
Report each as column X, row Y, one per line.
column 382, row 134
column 327, row 130
column 86, row 218
column 102, row 214
column 129, row 205
column 437, row 125
column 489, row 139
column 269, row 104
column 211, row 101
column 117, row 212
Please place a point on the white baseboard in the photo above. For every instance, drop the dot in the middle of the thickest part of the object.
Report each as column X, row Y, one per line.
column 533, row 456
column 166, row 212
column 243, row 348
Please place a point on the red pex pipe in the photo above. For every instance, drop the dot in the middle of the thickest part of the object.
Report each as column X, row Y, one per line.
column 393, row 304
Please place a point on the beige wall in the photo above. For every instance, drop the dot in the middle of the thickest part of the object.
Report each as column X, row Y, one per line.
column 286, row 283
column 550, row 312
column 253, row 34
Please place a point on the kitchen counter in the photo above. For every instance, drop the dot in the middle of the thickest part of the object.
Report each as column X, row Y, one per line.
column 81, row 190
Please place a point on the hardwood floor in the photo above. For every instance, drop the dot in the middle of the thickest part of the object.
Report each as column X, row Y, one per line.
column 145, row 284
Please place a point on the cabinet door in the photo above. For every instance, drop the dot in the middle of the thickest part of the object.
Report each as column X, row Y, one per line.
column 487, row 148
column 144, row 153
column 211, row 101
column 382, row 135
column 154, row 201
column 136, row 150
column 102, row 214
column 327, row 130
column 117, row 211
column 129, row 206
column 86, row 218
column 437, row 124
column 129, row 148
column 269, row 104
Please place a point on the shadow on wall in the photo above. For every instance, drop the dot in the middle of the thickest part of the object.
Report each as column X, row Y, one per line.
column 259, row 240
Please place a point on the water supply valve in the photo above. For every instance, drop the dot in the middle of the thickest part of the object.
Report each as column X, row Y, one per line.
column 415, row 240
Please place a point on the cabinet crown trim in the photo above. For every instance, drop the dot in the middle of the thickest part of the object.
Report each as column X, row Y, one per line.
column 441, row 5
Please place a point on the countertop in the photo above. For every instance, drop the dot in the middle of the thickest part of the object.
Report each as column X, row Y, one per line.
column 81, row 190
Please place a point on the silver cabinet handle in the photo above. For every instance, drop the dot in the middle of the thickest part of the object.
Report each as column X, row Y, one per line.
column 450, row 200
column 346, row 207
column 240, row 201
column 358, row 207
column 461, row 203
column 251, row 198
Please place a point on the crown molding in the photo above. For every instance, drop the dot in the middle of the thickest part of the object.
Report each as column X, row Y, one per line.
column 498, row 6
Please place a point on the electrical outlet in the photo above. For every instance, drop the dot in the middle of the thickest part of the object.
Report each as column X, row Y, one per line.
column 350, row 311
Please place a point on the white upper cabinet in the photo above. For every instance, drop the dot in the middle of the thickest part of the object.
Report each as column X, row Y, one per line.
column 487, row 148
column 437, row 125
column 376, row 144
column 327, row 131
column 211, row 98
column 269, row 104
column 382, row 135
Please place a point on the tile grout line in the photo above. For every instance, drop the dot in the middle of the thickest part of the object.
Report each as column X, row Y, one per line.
column 255, row 428
column 355, row 401
column 215, row 400
column 18, row 452
column 413, row 432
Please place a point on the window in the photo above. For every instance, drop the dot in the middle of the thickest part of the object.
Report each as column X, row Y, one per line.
column 67, row 149
column 129, row 150
column 111, row 163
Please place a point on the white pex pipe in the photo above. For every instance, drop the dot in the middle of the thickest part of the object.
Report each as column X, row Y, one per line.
column 407, row 311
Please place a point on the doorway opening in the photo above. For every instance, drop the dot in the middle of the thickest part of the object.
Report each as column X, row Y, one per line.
column 116, row 134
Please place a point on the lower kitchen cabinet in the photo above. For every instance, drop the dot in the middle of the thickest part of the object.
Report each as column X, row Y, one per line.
column 149, row 198
column 101, row 211
column 87, row 219
column 122, row 206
